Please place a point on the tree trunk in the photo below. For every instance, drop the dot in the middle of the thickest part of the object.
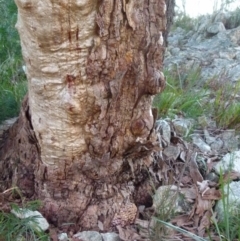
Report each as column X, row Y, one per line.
column 84, row 137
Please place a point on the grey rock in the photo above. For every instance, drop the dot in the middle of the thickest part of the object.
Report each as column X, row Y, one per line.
column 110, row 237
column 62, row 237
column 227, row 55
column 183, row 126
column 211, row 176
column 217, row 145
column 208, row 45
column 221, row 16
column 232, row 193
column 237, row 54
column 39, row 223
column 231, row 161
column 200, row 143
column 214, row 142
column 209, row 139
column 234, row 72
column 215, row 28
column 230, row 141
column 171, row 152
column 203, row 121
column 88, row 236
column 234, row 35
column 175, row 51
column 169, row 198
column 7, row 124
column 164, row 128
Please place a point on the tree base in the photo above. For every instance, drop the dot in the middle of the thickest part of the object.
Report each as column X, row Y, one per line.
column 86, row 203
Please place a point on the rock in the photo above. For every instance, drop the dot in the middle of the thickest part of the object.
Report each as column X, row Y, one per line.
column 211, row 176
column 63, row 237
column 171, row 152
column 88, row 236
column 230, row 162
column 168, row 198
column 175, row 51
column 215, row 28
column 230, row 141
column 110, row 237
column 199, row 142
column 205, row 122
column 39, row 224
column 215, row 142
column 234, row 35
column 232, row 193
column 211, row 45
column 183, row 126
column 221, row 17
column 164, row 128
column 6, row 124
column 217, row 145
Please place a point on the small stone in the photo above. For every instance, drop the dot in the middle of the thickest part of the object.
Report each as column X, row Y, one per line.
column 175, row 51
column 212, row 177
column 198, row 141
column 88, row 236
column 63, row 237
column 172, row 152
column 230, row 142
column 39, row 224
column 209, row 139
column 183, row 126
column 230, row 162
column 232, row 194
column 217, row 145
column 169, row 198
column 216, row 28
column 110, row 237
column 164, row 128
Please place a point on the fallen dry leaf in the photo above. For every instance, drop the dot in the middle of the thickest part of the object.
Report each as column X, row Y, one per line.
column 212, row 194
column 128, row 233
column 231, row 176
column 204, row 223
column 194, row 171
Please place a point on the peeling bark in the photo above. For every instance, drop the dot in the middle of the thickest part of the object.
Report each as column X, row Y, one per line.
column 85, row 134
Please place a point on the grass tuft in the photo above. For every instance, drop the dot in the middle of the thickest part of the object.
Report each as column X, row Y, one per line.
column 13, row 228
column 13, row 85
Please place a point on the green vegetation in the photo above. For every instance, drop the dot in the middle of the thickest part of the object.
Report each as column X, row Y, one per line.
column 26, row 229
column 228, row 225
column 185, row 96
column 13, row 85
column 225, row 229
column 234, row 20
column 181, row 95
column 184, row 21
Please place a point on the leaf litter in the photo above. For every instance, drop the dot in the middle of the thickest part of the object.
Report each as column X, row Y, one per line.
column 192, row 181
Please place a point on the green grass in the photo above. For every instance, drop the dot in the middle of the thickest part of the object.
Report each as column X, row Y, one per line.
column 226, row 106
column 13, row 228
column 184, row 21
column 13, row 85
column 184, row 96
column 181, row 96
column 228, row 225
column 11, row 95
column 234, row 20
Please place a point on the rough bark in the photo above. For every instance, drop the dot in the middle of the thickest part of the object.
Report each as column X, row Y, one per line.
column 84, row 138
